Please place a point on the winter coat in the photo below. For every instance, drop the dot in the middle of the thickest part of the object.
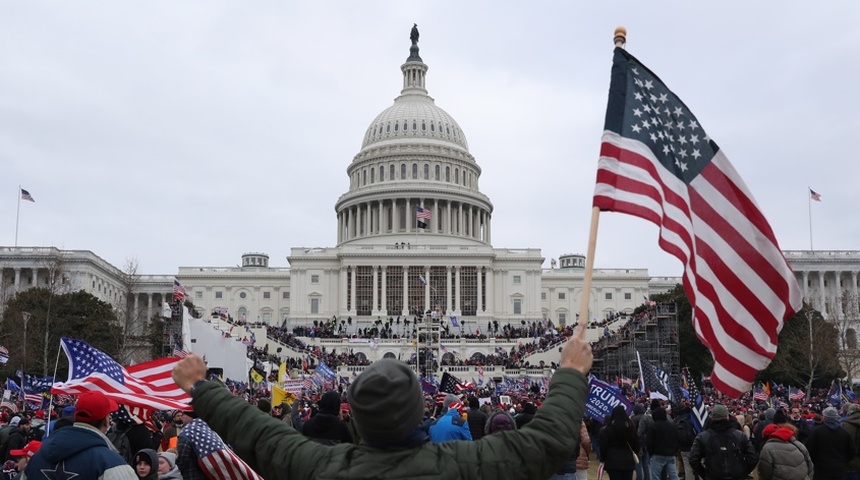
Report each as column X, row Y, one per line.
column 662, row 436
column 327, row 429
column 616, row 445
column 81, row 450
column 584, row 448
column 698, row 454
column 500, row 421
column 276, row 451
column 173, row 474
column 15, row 441
column 450, row 426
column 784, row 458
column 851, row 424
column 830, row 448
column 477, row 421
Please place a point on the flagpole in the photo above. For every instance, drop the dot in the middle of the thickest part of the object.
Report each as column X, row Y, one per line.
column 51, row 405
column 18, row 215
column 619, row 39
column 809, row 201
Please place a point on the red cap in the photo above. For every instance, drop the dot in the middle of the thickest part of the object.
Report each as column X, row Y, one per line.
column 94, row 406
column 28, row 451
column 40, row 414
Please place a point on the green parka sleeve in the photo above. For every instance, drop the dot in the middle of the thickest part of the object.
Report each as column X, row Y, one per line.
column 278, row 452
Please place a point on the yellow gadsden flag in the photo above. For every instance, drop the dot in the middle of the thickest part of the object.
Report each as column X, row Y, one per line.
column 280, row 396
column 282, row 372
column 255, row 376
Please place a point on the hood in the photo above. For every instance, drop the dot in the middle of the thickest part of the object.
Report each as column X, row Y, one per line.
column 782, row 433
column 68, row 442
column 832, row 423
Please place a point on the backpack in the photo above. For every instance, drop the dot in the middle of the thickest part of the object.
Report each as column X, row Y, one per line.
column 723, row 457
column 120, row 441
column 686, row 434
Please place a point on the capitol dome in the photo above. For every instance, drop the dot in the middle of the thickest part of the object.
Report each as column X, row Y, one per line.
column 414, row 115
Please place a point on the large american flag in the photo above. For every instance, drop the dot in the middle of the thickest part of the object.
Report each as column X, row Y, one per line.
column 148, row 384
column 178, row 291
column 421, row 212
column 654, row 380
column 657, row 163
column 215, row 458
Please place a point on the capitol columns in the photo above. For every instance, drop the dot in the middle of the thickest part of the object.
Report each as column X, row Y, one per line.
column 457, row 306
column 480, row 305
column 375, row 311
column 344, row 291
column 384, row 289
column 448, row 308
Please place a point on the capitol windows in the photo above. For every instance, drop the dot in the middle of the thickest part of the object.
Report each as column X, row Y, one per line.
column 198, row 295
column 285, row 295
column 437, row 170
column 372, row 174
column 432, row 127
column 518, row 279
column 219, row 294
column 543, row 295
column 628, row 296
column 448, row 174
column 518, row 306
column 388, row 127
column 315, row 278
column 562, row 295
column 403, row 171
column 405, row 125
column 415, row 171
column 457, row 175
column 447, row 130
column 423, row 126
column 562, row 319
column 426, row 171
column 266, row 317
column 243, row 295
column 396, row 127
column 267, row 295
column 391, row 172
column 315, row 305
column 608, row 295
column 414, row 125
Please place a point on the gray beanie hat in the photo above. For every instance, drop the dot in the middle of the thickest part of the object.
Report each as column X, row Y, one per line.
column 831, row 413
column 449, row 399
column 386, row 400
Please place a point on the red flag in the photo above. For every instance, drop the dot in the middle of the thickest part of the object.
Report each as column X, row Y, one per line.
column 657, row 163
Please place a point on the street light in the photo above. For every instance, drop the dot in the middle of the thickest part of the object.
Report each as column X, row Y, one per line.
column 26, row 317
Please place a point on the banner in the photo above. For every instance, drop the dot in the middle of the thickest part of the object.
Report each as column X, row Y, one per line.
column 602, row 398
column 294, row 386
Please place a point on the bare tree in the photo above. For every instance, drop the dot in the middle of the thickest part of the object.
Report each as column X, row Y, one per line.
column 845, row 316
column 132, row 318
column 57, row 283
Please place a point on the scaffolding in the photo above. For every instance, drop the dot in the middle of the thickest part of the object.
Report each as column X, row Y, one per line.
column 171, row 328
column 427, row 345
column 654, row 334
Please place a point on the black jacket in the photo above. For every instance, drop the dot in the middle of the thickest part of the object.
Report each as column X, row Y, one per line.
column 327, row 429
column 662, row 436
column 616, row 443
column 698, row 453
column 477, row 421
column 830, row 447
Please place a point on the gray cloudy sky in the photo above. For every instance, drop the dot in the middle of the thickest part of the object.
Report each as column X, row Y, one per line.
column 188, row 133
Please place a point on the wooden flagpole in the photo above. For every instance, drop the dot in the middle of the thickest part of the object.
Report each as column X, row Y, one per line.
column 620, row 39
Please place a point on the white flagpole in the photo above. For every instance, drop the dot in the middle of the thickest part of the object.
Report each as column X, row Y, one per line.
column 809, row 201
column 18, row 215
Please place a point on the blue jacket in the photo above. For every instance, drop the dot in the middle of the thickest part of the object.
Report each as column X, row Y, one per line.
column 450, row 426
column 81, row 450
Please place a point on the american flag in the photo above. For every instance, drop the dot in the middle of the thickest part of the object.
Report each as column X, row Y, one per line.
column 215, row 458
column 178, row 291
column 4, row 355
column 759, row 394
column 814, row 195
column 422, row 213
column 657, row 163
column 655, row 381
column 450, row 384
column 698, row 409
column 148, row 384
column 25, row 195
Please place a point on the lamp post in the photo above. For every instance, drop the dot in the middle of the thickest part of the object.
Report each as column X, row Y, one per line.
column 26, row 317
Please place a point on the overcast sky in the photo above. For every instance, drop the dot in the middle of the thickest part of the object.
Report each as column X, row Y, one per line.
column 188, row 133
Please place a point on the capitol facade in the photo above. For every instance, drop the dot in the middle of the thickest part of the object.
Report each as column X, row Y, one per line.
column 414, row 234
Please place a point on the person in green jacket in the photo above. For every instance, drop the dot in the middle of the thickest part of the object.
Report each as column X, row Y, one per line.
column 386, row 402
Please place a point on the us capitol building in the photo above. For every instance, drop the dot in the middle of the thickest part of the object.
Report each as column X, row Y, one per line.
column 414, row 234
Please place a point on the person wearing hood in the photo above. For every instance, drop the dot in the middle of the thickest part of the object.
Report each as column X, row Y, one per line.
column 326, row 426
column 830, row 447
column 709, row 461
column 167, row 469
column 499, row 421
column 782, row 456
column 757, row 437
column 851, row 424
column 146, row 464
column 663, row 445
column 451, row 425
column 529, row 410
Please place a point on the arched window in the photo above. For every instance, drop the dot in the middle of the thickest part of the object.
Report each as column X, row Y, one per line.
column 432, row 127
column 436, row 171
column 381, row 173
column 414, row 125
column 405, row 125
column 389, row 355
column 426, row 171
column 388, row 127
column 396, row 126
column 457, row 176
column 372, row 174
column 391, row 172
column 448, row 174
column 403, row 171
column 423, row 126
column 364, row 177
column 415, row 171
